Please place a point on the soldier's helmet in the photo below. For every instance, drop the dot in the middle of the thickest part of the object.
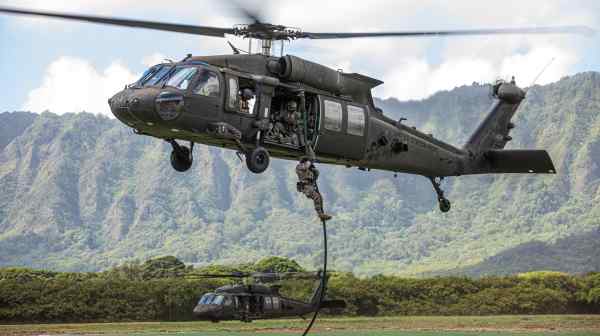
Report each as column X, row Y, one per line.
column 292, row 105
column 247, row 94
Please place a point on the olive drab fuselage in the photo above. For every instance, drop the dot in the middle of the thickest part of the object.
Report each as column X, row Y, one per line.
column 347, row 128
column 241, row 102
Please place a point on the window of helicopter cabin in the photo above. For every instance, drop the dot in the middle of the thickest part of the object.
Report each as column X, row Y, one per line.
column 208, row 84
column 218, row 300
column 332, row 120
column 232, row 96
column 181, row 77
column 228, row 301
column 275, row 303
column 356, row 120
column 268, row 302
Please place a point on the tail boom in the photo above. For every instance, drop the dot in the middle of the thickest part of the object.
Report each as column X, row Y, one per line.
column 485, row 148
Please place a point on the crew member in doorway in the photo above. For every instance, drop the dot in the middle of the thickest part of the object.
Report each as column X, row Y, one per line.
column 307, row 184
column 247, row 97
column 291, row 121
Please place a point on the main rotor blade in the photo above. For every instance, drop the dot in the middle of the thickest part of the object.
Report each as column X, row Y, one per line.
column 579, row 30
column 171, row 27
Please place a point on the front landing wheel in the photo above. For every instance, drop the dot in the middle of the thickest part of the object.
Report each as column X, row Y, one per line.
column 445, row 205
column 181, row 160
column 258, row 160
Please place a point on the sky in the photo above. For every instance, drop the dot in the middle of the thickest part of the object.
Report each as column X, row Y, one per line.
column 60, row 66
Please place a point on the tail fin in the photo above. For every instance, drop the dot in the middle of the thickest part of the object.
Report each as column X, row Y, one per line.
column 485, row 147
column 493, row 132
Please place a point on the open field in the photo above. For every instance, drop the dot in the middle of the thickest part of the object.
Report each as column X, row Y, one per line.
column 392, row 326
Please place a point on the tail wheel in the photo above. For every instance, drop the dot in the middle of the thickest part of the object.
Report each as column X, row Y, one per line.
column 181, row 160
column 258, row 160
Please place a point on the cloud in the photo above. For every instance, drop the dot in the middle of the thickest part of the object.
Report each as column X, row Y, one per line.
column 411, row 68
column 416, row 78
column 75, row 85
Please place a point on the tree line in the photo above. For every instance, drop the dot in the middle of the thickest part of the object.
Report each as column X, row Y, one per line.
column 165, row 289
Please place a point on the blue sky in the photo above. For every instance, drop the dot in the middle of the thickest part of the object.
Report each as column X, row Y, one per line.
column 70, row 67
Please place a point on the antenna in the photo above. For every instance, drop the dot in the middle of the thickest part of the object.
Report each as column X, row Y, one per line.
column 542, row 72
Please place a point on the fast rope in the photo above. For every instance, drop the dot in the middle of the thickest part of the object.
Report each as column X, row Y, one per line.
column 323, row 280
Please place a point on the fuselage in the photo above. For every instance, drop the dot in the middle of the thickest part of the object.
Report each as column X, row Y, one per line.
column 189, row 100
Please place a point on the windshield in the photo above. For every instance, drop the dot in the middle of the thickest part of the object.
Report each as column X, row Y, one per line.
column 206, row 298
column 154, row 75
column 181, row 77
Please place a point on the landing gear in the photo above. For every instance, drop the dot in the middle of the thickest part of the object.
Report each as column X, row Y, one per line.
column 181, row 156
column 444, row 203
column 258, row 160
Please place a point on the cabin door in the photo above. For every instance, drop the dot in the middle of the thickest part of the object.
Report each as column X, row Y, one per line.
column 342, row 129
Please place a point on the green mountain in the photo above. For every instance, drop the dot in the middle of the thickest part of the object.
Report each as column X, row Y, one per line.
column 82, row 192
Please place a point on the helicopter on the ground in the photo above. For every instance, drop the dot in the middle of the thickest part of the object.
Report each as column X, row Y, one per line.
column 248, row 302
column 286, row 107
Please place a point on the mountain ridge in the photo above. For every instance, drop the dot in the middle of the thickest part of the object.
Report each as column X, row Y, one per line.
column 85, row 193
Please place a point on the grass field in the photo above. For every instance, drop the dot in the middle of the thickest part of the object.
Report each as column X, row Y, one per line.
column 570, row 325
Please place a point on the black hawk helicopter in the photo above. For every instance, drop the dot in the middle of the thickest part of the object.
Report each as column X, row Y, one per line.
column 286, row 107
column 257, row 301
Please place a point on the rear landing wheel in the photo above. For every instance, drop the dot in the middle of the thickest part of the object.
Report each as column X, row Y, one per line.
column 443, row 201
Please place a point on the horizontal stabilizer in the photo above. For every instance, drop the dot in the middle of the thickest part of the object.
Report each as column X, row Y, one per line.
column 333, row 304
column 519, row 161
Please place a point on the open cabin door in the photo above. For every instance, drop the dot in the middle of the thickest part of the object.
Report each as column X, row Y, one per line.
column 342, row 129
column 247, row 101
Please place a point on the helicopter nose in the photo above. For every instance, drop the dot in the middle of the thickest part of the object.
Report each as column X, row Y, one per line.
column 133, row 107
column 205, row 311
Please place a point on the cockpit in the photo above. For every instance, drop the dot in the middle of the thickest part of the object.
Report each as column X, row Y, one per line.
column 181, row 77
column 213, row 299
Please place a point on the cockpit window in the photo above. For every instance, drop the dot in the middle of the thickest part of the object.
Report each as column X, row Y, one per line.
column 218, row 300
column 153, row 77
column 206, row 298
column 208, row 84
column 182, row 77
column 147, row 74
column 228, row 301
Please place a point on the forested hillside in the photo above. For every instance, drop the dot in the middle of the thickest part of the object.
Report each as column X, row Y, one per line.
column 165, row 289
column 82, row 192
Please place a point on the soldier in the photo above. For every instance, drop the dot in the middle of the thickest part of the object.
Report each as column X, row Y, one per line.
column 290, row 118
column 247, row 97
column 307, row 176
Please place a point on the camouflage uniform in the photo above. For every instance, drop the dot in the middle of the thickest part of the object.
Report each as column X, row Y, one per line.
column 307, row 176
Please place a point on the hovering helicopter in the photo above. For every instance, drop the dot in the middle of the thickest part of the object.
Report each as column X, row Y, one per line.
column 248, row 302
column 287, row 107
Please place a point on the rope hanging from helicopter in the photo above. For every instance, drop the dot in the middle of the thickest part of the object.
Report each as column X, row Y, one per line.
column 323, row 281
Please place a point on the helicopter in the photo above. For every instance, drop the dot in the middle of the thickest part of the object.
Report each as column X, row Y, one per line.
column 249, row 302
column 286, row 107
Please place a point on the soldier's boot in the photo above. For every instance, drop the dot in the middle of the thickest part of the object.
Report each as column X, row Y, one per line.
column 324, row 217
column 319, row 207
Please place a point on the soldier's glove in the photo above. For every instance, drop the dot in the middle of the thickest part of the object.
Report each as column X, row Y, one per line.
column 315, row 172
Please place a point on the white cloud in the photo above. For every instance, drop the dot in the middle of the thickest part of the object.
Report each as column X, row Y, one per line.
column 75, row 85
column 411, row 68
column 154, row 59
